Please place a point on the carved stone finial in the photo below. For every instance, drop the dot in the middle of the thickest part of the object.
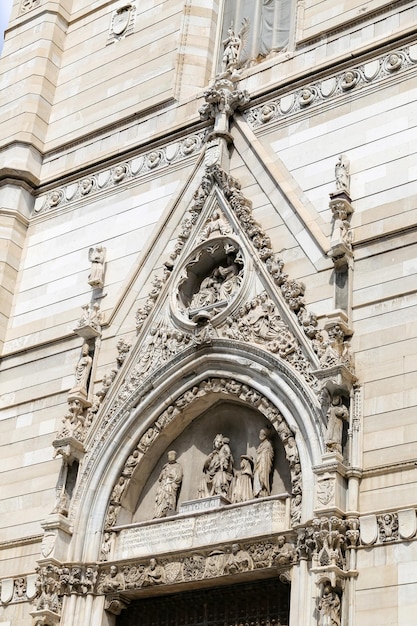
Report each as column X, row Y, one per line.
column 222, row 100
column 90, row 322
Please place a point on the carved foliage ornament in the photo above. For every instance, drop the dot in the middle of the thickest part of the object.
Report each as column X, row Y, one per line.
column 326, row 539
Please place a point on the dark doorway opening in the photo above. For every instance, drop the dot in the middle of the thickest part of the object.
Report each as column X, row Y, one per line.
column 263, row 603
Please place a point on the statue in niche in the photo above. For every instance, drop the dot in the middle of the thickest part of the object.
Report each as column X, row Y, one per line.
column 96, row 256
column 82, row 373
column 341, row 172
column 106, row 546
column 263, row 466
column 329, row 607
column 169, row 480
column 62, row 503
column 218, row 470
column 118, row 490
column 336, row 415
column 114, row 581
column 238, row 561
column 242, row 486
column 154, row 574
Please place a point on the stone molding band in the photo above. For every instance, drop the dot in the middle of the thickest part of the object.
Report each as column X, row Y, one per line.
column 331, row 87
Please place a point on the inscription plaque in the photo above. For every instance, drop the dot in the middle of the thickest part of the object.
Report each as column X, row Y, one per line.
column 185, row 532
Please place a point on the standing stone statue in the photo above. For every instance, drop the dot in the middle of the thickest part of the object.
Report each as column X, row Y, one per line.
column 242, row 487
column 329, row 607
column 82, row 373
column 336, row 415
column 233, row 45
column 218, row 470
column 170, row 480
column 341, row 172
column 263, row 466
column 96, row 256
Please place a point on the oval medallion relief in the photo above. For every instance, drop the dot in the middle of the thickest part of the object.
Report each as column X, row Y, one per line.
column 209, row 281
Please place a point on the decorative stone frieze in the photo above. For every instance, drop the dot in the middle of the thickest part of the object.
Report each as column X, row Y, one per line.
column 332, row 88
column 120, row 174
column 225, row 560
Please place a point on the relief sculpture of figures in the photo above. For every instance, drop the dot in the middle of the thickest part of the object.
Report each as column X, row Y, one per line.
column 329, row 607
column 263, row 466
column 96, row 256
column 154, row 574
column 242, row 486
column 114, row 581
column 220, row 286
column 170, row 480
column 218, row 470
column 336, row 415
column 82, row 373
column 238, row 560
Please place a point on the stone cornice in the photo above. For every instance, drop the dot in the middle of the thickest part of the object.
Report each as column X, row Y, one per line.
column 389, row 468
column 120, row 174
column 332, row 87
column 23, row 541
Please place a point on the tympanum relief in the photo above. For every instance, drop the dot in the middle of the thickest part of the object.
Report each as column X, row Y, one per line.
column 211, row 278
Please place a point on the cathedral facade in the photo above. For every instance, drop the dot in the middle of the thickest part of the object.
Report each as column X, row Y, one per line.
column 208, row 313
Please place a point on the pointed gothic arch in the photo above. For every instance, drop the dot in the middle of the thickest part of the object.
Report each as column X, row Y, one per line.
column 220, row 371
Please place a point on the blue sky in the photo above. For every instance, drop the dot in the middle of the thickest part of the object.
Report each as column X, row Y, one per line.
column 5, row 8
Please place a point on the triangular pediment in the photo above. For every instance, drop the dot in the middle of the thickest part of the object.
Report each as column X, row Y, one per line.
column 222, row 281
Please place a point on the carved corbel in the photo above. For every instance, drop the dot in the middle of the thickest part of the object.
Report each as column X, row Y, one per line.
column 116, row 603
column 45, row 617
